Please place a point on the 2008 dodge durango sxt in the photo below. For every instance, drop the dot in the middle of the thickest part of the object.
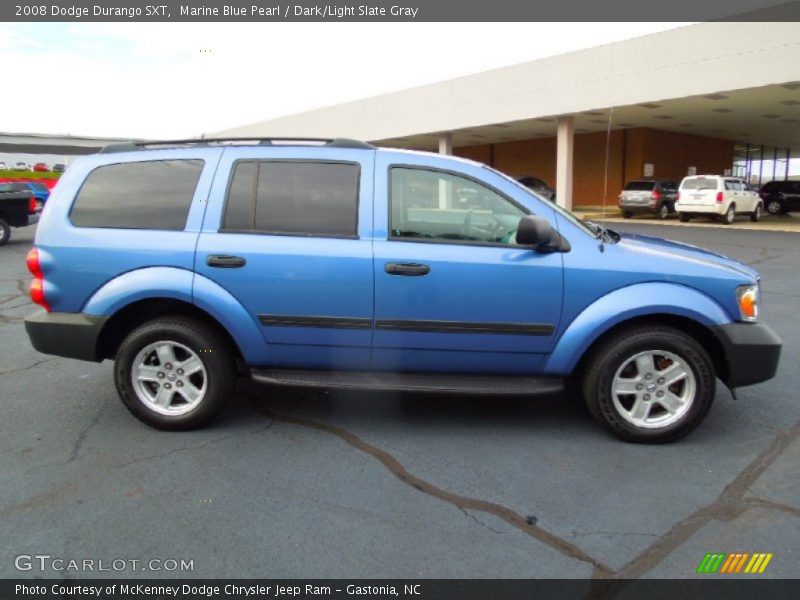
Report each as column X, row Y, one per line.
column 338, row 264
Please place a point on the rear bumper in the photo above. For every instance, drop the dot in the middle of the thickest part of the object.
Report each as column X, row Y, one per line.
column 701, row 209
column 72, row 335
column 752, row 351
column 638, row 208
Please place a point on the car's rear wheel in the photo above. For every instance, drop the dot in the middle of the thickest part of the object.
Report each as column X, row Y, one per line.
column 729, row 215
column 5, row 231
column 684, row 217
column 175, row 372
column 663, row 211
column 626, row 214
column 649, row 384
column 755, row 216
column 774, row 207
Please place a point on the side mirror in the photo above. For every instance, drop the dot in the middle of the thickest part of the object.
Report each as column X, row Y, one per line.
column 536, row 232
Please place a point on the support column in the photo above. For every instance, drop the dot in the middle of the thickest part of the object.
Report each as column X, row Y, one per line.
column 445, row 187
column 565, row 151
column 446, row 143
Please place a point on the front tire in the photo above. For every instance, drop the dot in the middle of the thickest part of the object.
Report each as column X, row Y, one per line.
column 755, row 216
column 649, row 384
column 175, row 372
column 5, row 232
column 626, row 214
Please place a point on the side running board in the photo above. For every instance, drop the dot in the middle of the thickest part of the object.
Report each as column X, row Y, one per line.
column 413, row 382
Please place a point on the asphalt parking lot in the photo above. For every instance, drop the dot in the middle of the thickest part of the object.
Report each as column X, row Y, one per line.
column 315, row 484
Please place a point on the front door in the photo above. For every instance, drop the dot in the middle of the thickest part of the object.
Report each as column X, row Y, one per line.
column 453, row 291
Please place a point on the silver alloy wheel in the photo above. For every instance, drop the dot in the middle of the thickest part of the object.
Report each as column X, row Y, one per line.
column 773, row 207
column 653, row 389
column 169, row 378
column 663, row 212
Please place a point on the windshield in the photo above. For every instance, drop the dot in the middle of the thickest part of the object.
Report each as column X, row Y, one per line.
column 561, row 211
column 699, row 183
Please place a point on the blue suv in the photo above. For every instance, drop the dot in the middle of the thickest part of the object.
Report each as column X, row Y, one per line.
column 338, row 264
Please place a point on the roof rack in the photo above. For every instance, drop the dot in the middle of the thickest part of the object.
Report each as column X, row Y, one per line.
column 257, row 141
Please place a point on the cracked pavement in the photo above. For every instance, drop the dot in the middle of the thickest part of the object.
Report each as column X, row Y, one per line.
column 295, row 483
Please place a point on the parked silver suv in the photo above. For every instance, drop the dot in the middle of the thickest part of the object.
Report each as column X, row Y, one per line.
column 654, row 196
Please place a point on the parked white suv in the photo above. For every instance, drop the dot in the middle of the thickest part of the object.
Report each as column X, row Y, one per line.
column 718, row 197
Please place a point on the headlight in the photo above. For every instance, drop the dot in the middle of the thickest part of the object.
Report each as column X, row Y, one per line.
column 747, row 298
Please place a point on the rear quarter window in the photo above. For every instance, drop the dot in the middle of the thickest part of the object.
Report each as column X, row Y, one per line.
column 138, row 195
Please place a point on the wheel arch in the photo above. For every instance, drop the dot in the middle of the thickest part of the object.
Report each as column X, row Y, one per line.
column 131, row 316
column 677, row 305
column 697, row 331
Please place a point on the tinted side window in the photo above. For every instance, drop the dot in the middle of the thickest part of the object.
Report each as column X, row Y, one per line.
column 300, row 198
column 139, row 195
column 440, row 206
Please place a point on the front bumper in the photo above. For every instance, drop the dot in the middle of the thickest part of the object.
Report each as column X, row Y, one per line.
column 72, row 335
column 752, row 352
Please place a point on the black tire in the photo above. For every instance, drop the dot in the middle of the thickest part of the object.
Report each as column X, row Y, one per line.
column 613, row 353
column 663, row 211
column 214, row 352
column 626, row 214
column 729, row 216
column 774, row 206
column 755, row 216
column 5, row 232
column 684, row 217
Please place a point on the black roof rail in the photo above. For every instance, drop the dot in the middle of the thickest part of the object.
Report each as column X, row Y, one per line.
column 259, row 141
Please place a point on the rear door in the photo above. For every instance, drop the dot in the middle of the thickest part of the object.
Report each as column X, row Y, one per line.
column 287, row 232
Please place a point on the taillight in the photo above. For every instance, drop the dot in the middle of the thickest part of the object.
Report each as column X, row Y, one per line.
column 719, row 197
column 32, row 205
column 655, row 195
column 32, row 261
column 37, row 285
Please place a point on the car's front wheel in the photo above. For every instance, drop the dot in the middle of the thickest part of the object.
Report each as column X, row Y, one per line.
column 5, row 232
column 626, row 214
column 175, row 372
column 649, row 384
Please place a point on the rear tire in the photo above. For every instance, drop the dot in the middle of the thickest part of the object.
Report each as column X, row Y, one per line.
column 729, row 216
column 626, row 214
column 684, row 217
column 663, row 211
column 627, row 384
column 175, row 372
column 5, row 232
column 755, row 216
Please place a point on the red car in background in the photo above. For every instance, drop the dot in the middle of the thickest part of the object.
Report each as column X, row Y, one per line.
column 41, row 167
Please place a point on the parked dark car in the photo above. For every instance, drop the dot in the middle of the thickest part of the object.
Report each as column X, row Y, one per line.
column 17, row 209
column 40, row 166
column 538, row 186
column 653, row 196
column 59, row 168
column 780, row 196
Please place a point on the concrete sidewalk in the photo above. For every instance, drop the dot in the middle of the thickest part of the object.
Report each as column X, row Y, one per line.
column 789, row 223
